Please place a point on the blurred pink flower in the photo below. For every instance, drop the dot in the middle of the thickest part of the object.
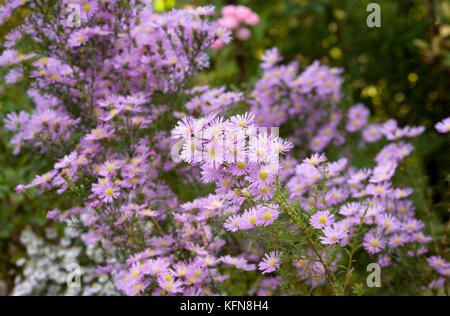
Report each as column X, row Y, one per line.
column 229, row 22
column 243, row 34
column 217, row 45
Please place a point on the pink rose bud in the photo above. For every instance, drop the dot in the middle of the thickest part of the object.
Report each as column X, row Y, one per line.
column 217, row 45
column 228, row 22
column 243, row 34
column 229, row 10
column 242, row 13
column 252, row 19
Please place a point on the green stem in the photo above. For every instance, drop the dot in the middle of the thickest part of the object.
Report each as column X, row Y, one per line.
column 329, row 276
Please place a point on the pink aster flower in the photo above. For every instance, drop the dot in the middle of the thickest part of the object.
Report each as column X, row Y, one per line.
column 401, row 193
column 53, row 214
column 169, row 284
column 271, row 58
column 373, row 243
column 333, row 234
column 443, row 126
column 232, row 223
column 249, row 219
column 267, row 215
column 321, row 219
column 315, row 159
column 372, row 133
column 79, row 38
column 109, row 192
column 383, row 172
column 437, row 262
column 357, row 118
column 398, row 240
column 270, row 262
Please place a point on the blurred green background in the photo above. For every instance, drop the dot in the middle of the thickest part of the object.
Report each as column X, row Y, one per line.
column 401, row 71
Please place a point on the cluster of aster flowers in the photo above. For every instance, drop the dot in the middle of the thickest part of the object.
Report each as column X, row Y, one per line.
column 309, row 99
column 197, row 272
column 97, row 97
column 241, row 158
column 208, row 100
column 355, row 197
column 137, row 56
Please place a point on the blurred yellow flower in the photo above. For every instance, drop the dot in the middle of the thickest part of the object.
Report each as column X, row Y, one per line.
column 369, row 91
column 163, row 5
column 412, row 77
column 336, row 53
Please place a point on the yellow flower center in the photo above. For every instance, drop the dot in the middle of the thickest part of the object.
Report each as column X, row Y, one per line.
column 110, row 167
column 272, row 262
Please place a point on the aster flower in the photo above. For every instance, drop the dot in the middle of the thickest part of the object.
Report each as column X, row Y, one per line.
column 271, row 58
column 79, row 38
column 444, row 126
column 437, row 262
column 351, row 209
column 321, row 219
column 445, row 271
column 401, row 193
column 413, row 225
column 315, row 159
column 249, row 219
column 243, row 121
column 357, row 118
column 383, row 173
column 53, row 214
column 398, row 240
column 387, row 222
column 270, row 262
column 372, row 133
column 333, row 234
column 232, row 223
column 13, row 122
column 169, row 284
column 157, row 266
column 109, row 192
column 267, row 215
column 379, row 189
